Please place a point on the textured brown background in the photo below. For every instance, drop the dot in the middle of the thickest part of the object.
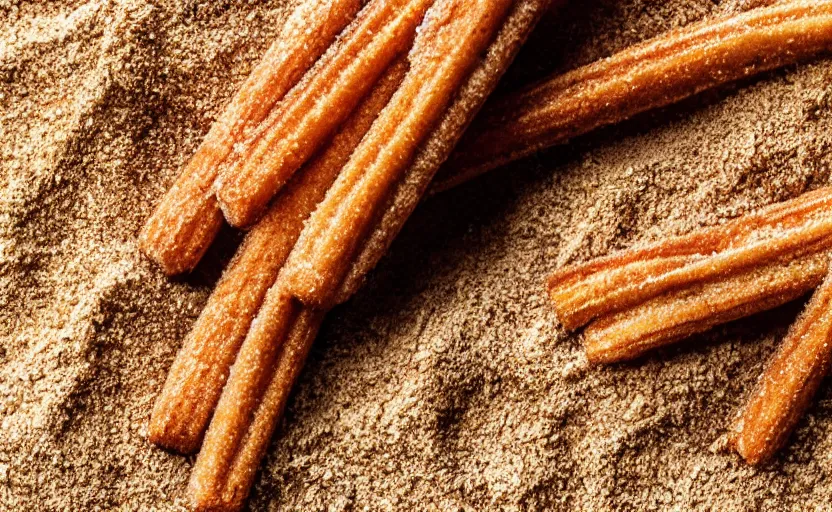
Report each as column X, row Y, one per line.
column 446, row 383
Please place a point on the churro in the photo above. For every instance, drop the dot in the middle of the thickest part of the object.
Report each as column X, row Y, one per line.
column 252, row 402
column 315, row 107
column 264, row 374
column 656, row 73
column 446, row 49
column 188, row 217
column 643, row 298
column 605, row 285
column 699, row 307
column 788, row 384
column 411, row 189
column 196, row 378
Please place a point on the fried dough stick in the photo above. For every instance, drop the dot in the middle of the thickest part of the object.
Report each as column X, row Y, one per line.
column 449, row 43
column 313, row 109
column 698, row 307
column 188, row 218
column 196, row 378
column 654, row 74
column 251, row 404
column 788, row 384
column 411, row 189
column 588, row 290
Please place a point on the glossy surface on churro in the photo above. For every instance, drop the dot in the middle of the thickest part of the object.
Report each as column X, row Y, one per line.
column 448, row 45
column 665, row 70
column 188, row 218
column 315, row 107
column 195, row 380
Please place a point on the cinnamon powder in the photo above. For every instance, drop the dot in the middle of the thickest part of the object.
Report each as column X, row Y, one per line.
column 445, row 384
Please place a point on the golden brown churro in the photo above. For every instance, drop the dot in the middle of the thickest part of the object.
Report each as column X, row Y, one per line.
column 316, row 106
column 192, row 388
column 700, row 306
column 605, row 285
column 633, row 301
column 252, row 402
column 410, row 190
column 188, row 218
column 788, row 384
column 650, row 297
column 196, row 378
column 450, row 41
column 262, row 376
column 654, row 74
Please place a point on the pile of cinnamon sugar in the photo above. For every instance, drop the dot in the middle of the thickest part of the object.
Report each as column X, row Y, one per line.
column 446, row 383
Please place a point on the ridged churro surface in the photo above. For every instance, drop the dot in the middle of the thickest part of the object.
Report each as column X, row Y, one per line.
column 450, row 41
column 315, row 107
column 440, row 67
column 188, row 218
column 655, row 74
column 789, row 383
column 626, row 279
column 195, row 380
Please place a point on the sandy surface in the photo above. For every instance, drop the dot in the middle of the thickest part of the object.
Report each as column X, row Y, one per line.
column 446, row 383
